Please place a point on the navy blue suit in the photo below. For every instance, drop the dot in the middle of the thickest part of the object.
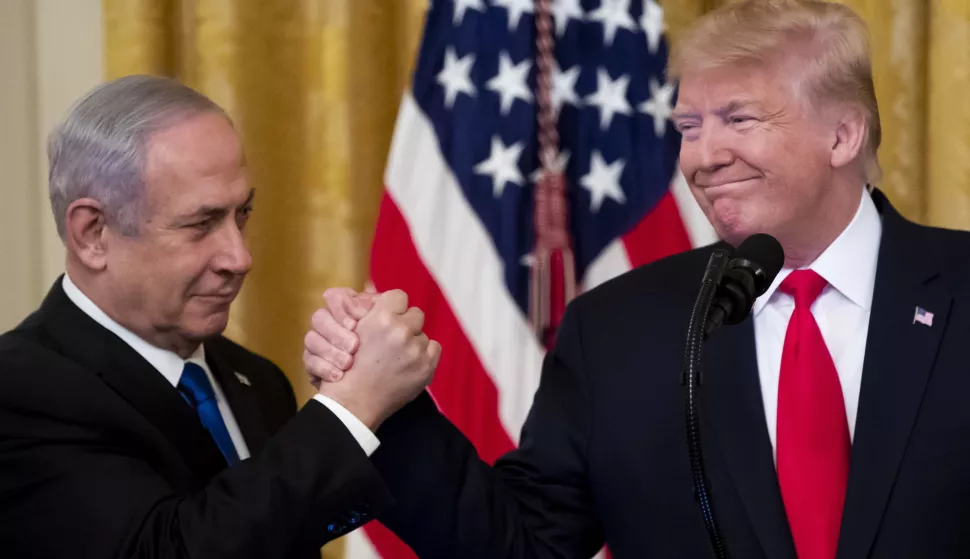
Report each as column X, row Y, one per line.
column 603, row 456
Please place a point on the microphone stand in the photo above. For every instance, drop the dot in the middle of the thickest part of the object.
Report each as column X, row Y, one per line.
column 691, row 380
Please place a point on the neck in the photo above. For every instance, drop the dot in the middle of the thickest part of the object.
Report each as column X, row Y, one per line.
column 87, row 284
column 803, row 247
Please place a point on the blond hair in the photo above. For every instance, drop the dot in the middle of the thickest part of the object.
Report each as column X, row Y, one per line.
column 836, row 65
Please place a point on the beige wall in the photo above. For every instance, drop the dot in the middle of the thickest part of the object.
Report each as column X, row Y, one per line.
column 50, row 53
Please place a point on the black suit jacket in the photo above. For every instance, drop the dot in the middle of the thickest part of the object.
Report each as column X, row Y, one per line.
column 603, row 457
column 101, row 457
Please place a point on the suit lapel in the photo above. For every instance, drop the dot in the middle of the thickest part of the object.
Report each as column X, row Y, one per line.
column 731, row 392
column 242, row 399
column 899, row 357
column 92, row 346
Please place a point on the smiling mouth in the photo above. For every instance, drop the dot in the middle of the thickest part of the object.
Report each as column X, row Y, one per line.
column 222, row 298
column 723, row 184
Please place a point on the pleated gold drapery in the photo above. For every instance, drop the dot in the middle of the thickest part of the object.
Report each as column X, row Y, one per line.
column 314, row 86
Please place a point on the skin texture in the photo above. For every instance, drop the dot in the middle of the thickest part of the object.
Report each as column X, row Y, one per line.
column 172, row 284
column 760, row 159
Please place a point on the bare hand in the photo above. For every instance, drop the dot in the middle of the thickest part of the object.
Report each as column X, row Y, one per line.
column 393, row 361
column 332, row 340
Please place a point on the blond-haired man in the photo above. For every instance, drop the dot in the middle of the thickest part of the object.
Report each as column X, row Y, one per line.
column 833, row 419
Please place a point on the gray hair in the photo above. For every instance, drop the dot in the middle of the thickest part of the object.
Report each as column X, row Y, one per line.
column 98, row 150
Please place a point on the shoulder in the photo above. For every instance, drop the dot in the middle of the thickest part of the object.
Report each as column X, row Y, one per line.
column 671, row 281
column 264, row 374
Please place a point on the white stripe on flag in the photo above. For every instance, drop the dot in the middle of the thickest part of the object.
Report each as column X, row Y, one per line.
column 458, row 252
column 699, row 229
column 357, row 546
column 611, row 262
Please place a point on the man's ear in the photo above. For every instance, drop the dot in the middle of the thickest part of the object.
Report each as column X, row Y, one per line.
column 849, row 137
column 84, row 227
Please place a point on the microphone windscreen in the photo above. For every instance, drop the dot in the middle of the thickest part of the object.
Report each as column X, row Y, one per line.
column 765, row 251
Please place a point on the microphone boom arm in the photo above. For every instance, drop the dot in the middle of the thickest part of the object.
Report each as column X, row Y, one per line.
column 691, row 379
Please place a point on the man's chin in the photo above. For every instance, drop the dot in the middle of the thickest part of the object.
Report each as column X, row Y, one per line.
column 206, row 327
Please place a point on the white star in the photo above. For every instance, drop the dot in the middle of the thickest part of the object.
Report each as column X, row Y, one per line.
column 455, row 76
column 563, row 11
column 659, row 105
column 652, row 22
column 515, row 9
column 502, row 165
column 562, row 159
column 564, row 87
column 510, row 82
column 610, row 97
column 528, row 260
column 603, row 181
column 462, row 5
column 613, row 14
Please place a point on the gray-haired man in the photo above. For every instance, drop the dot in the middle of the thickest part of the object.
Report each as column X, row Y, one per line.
column 129, row 427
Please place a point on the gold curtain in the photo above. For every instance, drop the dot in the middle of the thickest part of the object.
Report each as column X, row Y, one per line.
column 314, row 87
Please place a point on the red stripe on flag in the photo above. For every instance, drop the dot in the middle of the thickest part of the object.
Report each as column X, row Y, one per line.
column 461, row 387
column 659, row 234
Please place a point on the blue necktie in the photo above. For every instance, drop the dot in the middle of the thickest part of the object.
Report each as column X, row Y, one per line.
column 197, row 391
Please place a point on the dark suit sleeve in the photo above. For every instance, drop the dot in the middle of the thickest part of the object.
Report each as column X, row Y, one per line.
column 69, row 488
column 534, row 504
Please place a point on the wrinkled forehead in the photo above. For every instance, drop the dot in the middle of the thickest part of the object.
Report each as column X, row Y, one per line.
column 715, row 89
column 197, row 161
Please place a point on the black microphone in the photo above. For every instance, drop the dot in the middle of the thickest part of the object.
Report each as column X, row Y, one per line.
column 750, row 271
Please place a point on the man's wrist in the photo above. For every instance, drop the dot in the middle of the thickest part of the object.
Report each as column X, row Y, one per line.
column 361, row 428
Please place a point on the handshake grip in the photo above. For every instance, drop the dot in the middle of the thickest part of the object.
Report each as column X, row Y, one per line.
column 368, row 353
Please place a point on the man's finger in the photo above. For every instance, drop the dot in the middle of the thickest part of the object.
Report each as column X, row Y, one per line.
column 395, row 301
column 434, row 353
column 321, row 369
column 325, row 325
column 318, row 346
column 414, row 319
column 340, row 301
column 362, row 304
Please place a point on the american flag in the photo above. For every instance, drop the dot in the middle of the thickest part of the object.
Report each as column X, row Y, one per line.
column 923, row 316
column 456, row 228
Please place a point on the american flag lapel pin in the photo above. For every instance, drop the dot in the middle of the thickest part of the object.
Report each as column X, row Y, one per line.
column 243, row 379
column 923, row 316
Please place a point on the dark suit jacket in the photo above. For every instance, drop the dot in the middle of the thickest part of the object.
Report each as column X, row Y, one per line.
column 101, row 457
column 603, row 456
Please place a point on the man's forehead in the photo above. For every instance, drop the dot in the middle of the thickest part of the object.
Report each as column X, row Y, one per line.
column 196, row 143
column 723, row 90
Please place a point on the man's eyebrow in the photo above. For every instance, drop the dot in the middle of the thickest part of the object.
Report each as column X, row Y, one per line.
column 732, row 107
column 219, row 211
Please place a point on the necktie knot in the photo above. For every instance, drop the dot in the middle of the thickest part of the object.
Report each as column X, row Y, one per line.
column 194, row 384
column 804, row 285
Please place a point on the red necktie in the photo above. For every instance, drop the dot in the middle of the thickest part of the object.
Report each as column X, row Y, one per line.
column 813, row 434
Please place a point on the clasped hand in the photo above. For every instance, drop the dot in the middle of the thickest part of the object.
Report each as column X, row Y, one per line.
column 367, row 352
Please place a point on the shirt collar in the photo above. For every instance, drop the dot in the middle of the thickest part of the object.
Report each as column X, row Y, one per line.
column 166, row 362
column 849, row 263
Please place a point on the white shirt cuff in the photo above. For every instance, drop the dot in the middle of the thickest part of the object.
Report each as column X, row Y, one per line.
column 367, row 440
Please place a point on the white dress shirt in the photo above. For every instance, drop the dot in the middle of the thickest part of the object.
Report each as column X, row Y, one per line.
column 170, row 365
column 841, row 311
